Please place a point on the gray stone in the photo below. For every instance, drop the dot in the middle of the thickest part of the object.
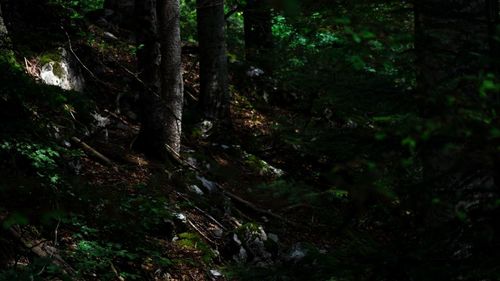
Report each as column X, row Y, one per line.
column 210, row 186
column 273, row 237
column 297, row 252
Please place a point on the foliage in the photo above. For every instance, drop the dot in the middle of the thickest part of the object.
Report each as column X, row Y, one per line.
column 42, row 158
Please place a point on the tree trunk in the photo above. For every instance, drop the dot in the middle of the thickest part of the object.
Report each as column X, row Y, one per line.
column 214, row 91
column 257, row 21
column 148, row 60
column 3, row 31
column 171, row 92
column 159, row 63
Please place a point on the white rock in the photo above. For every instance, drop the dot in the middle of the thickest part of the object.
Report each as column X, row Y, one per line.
column 254, row 72
column 195, row 189
column 209, row 185
column 215, row 273
column 101, row 121
column 181, row 217
column 61, row 74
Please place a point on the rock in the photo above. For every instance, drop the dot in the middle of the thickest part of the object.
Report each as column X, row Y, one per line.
column 210, row 186
column 273, row 237
column 254, row 72
column 180, row 217
column 62, row 73
column 109, row 36
column 242, row 256
column 254, row 241
column 297, row 252
column 217, row 232
column 192, row 161
column 101, row 121
column 215, row 273
column 205, row 127
column 195, row 189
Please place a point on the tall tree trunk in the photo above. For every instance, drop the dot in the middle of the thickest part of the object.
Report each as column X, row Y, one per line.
column 171, row 91
column 159, row 63
column 213, row 59
column 257, row 21
column 148, row 60
column 3, row 31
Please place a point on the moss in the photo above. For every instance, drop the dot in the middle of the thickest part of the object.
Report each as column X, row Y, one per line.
column 7, row 57
column 54, row 56
column 57, row 69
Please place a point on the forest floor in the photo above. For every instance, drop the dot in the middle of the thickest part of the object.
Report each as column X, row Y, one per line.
column 128, row 217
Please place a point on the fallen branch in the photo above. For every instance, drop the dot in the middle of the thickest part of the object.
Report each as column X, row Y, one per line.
column 42, row 249
column 201, row 233
column 255, row 208
column 88, row 149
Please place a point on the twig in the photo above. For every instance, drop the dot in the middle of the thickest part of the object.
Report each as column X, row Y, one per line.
column 210, row 217
column 201, row 232
column 113, row 268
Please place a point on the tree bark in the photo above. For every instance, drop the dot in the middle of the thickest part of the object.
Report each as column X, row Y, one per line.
column 4, row 36
column 159, row 63
column 257, row 21
column 171, row 90
column 214, row 91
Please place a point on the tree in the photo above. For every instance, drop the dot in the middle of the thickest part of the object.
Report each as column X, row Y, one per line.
column 213, row 59
column 171, row 91
column 159, row 61
column 257, row 21
column 3, row 31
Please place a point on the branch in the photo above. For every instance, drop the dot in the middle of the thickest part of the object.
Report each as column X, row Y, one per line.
column 88, row 149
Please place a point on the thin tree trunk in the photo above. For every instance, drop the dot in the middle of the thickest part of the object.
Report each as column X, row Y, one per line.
column 171, row 91
column 213, row 59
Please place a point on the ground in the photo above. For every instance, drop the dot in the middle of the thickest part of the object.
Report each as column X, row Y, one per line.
column 123, row 216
